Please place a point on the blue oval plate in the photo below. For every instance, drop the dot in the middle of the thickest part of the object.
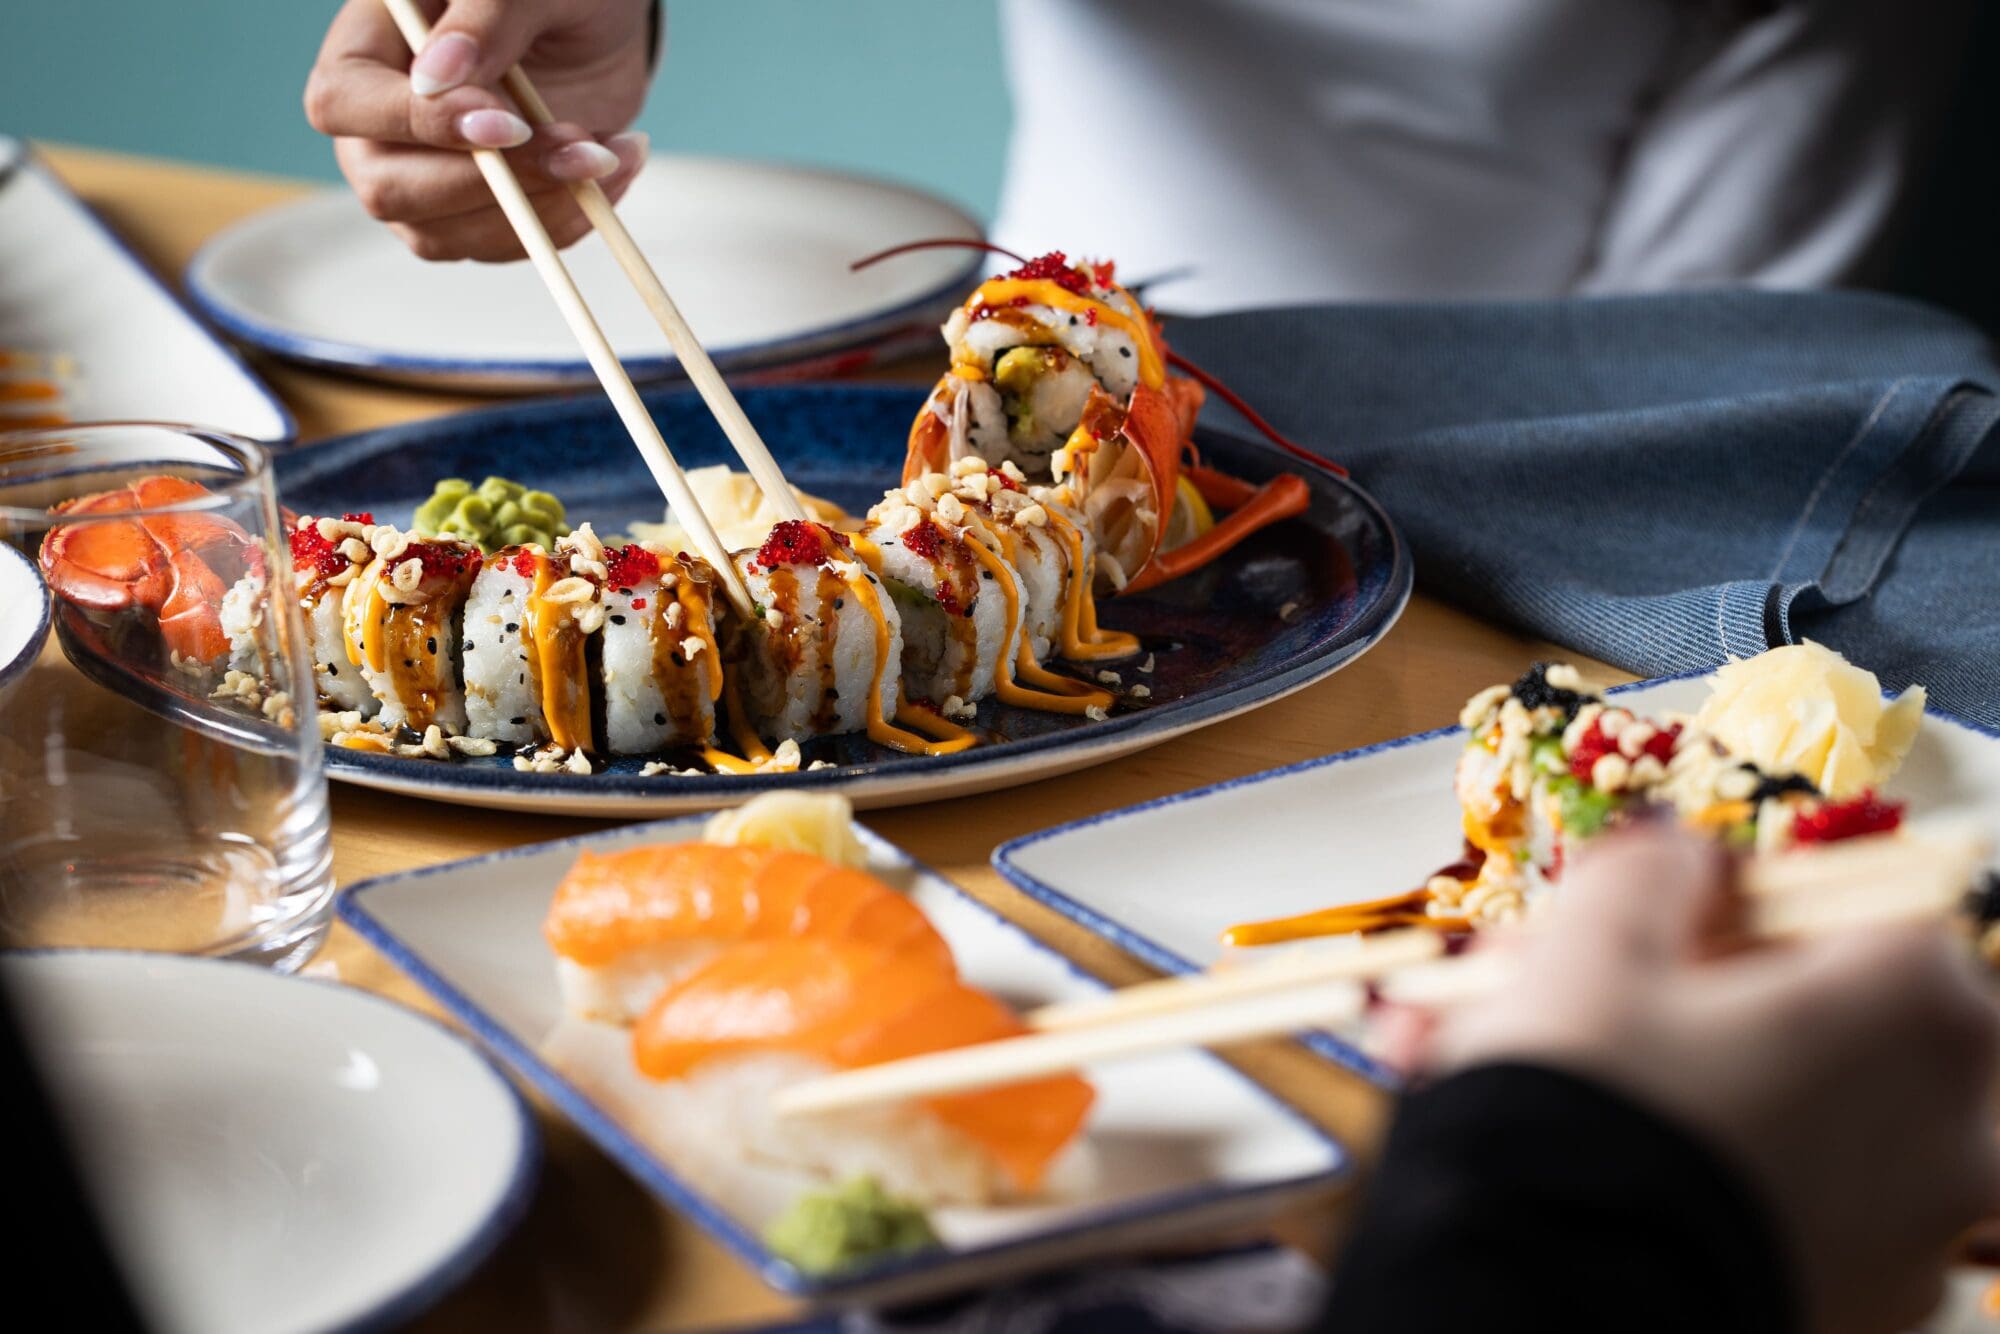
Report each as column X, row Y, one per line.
column 1293, row 604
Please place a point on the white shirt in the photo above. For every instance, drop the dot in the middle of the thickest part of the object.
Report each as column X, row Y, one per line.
column 1306, row 150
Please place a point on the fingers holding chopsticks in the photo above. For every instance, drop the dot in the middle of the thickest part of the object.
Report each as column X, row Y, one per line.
column 402, row 128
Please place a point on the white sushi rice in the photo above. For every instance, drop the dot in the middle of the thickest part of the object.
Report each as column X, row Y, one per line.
column 807, row 670
column 342, row 687
column 723, row 1112
column 502, row 699
column 242, row 615
column 621, row 991
column 642, row 713
column 943, row 654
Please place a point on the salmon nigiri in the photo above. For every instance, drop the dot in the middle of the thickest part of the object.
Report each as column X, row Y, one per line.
column 625, row 924
column 763, row 1014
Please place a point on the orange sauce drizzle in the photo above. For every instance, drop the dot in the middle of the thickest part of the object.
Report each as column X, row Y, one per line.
column 1004, row 684
column 1406, row 909
column 880, row 729
column 1000, row 292
column 1082, row 638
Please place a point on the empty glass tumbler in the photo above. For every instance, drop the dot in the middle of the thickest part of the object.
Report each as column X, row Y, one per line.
column 160, row 779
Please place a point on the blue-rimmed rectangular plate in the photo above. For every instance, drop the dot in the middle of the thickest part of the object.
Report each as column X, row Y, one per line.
column 1163, row 879
column 1291, row 605
column 1177, row 1144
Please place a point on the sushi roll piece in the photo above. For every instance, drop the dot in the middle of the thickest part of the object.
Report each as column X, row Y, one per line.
column 528, row 629
column 328, row 554
column 959, row 625
column 826, row 654
column 765, row 1014
column 400, row 622
column 625, row 924
column 662, row 670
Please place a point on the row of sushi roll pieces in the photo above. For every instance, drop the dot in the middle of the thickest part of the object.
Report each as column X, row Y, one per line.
column 765, row 955
column 957, row 587
column 1788, row 750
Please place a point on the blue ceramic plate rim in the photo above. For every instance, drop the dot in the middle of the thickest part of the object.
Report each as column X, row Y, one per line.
column 1158, row 956
column 287, row 424
column 336, row 353
column 1362, row 633
column 658, row 1178
column 31, row 647
column 457, row 1264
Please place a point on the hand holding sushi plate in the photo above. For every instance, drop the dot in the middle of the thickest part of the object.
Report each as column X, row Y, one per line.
column 1173, row 1145
column 273, row 1152
column 1287, row 607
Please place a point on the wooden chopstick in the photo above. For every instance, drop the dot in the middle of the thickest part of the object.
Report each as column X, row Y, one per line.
column 1869, row 882
column 527, row 224
column 694, row 358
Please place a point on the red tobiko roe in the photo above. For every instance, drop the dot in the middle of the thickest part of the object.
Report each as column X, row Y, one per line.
column 925, row 539
column 1831, row 821
column 1054, row 267
column 444, row 562
column 798, row 542
column 1593, row 746
column 527, row 562
column 312, row 552
column 628, row 565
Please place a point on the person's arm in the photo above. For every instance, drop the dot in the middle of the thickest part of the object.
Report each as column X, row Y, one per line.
column 1641, row 1133
column 1516, row 1196
column 401, row 127
column 1783, row 151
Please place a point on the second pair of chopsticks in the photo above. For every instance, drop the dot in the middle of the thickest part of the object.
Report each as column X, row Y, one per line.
column 694, row 359
column 1870, row 881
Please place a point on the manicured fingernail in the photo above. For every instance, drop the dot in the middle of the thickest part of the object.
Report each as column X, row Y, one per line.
column 584, row 160
column 490, row 127
column 633, row 145
column 444, row 63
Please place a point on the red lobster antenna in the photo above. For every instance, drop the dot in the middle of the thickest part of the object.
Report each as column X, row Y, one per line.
column 1208, row 381
column 1251, row 415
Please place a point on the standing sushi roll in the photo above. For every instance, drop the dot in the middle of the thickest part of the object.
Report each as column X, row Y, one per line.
column 625, row 924
column 328, row 554
column 400, row 626
column 826, row 655
column 662, row 669
column 762, row 1015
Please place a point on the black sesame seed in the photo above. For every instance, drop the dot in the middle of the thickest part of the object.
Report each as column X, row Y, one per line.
column 1769, row 786
column 518, row 721
column 660, row 718
column 1072, row 320
column 409, row 662
column 469, row 646
column 431, row 646
column 618, row 620
column 512, row 626
column 831, row 693
column 838, row 603
column 506, row 592
column 1124, row 351
column 521, row 680
column 986, row 574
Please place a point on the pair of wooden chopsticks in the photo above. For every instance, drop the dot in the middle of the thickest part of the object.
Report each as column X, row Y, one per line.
column 1870, row 881
column 694, row 359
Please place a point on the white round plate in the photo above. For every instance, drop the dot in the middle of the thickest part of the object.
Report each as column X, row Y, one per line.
column 24, row 615
column 273, row 1153
column 755, row 254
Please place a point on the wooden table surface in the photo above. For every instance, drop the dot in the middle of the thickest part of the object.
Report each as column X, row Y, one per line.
column 596, row 1252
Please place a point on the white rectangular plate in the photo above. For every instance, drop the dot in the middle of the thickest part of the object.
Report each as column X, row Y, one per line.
column 1181, row 1142
column 70, row 287
column 1163, row 879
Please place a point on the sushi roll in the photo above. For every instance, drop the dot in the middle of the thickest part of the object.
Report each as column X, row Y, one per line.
column 958, row 624
column 662, row 670
column 327, row 555
column 400, row 622
column 825, row 653
column 761, row 1015
column 1028, row 350
column 625, row 924
column 528, row 627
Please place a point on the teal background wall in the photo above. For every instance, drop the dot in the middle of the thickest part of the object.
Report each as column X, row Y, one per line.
column 909, row 89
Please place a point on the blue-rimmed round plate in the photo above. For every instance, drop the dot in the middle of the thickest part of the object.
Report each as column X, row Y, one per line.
column 756, row 255
column 1291, row 605
column 268, row 1152
column 24, row 615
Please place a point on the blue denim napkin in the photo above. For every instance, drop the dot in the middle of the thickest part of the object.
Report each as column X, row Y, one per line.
column 1667, row 482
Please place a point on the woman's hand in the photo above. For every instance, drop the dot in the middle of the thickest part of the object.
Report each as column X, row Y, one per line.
column 1849, row 1077
column 401, row 129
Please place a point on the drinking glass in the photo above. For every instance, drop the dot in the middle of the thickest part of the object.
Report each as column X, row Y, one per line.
column 160, row 779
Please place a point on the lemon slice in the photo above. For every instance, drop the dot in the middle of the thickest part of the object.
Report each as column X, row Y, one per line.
column 1190, row 519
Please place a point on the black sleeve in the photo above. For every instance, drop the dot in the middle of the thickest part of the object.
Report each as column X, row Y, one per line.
column 1517, row 1197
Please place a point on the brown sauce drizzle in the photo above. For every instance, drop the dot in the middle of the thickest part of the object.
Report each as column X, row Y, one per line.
column 830, row 588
